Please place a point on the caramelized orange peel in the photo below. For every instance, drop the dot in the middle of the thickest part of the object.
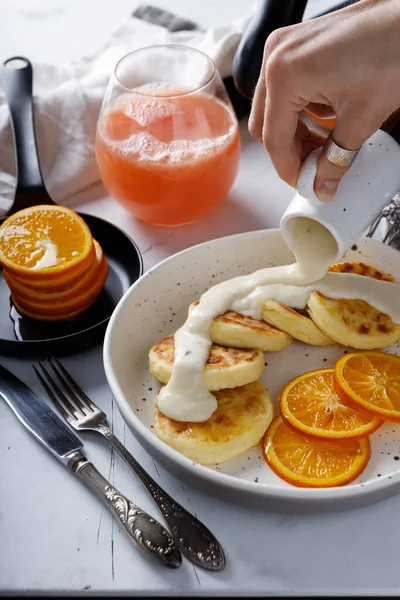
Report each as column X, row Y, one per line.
column 370, row 380
column 310, row 404
column 321, row 438
column 309, row 461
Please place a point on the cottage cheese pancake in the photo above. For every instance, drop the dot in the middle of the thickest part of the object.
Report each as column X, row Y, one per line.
column 186, row 397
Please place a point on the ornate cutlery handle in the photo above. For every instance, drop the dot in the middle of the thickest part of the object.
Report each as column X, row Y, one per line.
column 195, row 541
column 391, row 215
column 148, row 533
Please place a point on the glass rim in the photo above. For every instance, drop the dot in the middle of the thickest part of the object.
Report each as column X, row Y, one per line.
column 176, row 46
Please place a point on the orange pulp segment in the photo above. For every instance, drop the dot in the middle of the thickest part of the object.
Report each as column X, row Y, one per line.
column 310, row 404
column 44, row 241
column 370, row 380
column 308, row 461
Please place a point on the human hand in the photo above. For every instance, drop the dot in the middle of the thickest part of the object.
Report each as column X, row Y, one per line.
column 344, row 64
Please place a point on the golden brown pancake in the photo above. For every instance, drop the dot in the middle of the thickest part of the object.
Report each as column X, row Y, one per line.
column 240, row 331
column 239, row 423
column 297, row 323
column 354, row 323
column 225, row 367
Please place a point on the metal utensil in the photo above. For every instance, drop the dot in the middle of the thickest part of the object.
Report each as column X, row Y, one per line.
column 195, row 541
column 57, row 437
column 390, row 217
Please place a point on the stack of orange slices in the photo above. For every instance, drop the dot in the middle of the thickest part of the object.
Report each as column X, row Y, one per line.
column 321, row 437
column 54, row 268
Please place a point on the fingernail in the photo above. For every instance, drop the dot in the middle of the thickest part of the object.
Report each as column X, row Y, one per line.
column 326, row 190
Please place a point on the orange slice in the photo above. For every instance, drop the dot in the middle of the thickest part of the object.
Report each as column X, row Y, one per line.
column 310, row 404
column 370, row 380
column 327, row 123
column 68, row 306
column 59, row 317
column 83, row 284
column 307, row 461
column 56, row 282
column 44, row 241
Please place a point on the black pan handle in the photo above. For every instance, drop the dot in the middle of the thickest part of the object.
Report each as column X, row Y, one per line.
column 17, row 78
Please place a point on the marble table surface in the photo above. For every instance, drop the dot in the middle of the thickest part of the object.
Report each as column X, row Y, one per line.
column 55, row 537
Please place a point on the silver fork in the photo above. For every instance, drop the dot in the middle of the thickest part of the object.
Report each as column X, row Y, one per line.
column 195, row 541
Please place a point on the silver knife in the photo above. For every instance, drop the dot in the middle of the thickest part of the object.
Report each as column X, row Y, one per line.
column 57, row 437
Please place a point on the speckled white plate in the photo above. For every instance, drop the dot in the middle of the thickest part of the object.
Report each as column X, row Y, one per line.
column 156, row 306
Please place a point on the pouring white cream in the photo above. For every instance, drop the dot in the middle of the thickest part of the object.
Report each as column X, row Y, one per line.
column 185, row 397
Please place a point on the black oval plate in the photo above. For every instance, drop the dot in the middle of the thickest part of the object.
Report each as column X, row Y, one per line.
column 23, row 336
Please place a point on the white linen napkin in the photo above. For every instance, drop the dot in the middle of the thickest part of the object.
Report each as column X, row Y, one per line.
column 68, row 99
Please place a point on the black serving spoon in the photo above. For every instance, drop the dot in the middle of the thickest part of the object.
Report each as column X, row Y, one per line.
column 21, row 335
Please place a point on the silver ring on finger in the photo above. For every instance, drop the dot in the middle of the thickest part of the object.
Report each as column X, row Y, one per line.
column 337, row 155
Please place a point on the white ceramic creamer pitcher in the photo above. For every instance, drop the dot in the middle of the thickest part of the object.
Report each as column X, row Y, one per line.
column 370, row 184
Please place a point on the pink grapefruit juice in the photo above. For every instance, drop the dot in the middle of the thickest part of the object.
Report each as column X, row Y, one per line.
column 168, row 159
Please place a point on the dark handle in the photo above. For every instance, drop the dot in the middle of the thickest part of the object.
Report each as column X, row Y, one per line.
column 392, row 125
column 337, row 7
column 270, row 15
column 17, row 85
